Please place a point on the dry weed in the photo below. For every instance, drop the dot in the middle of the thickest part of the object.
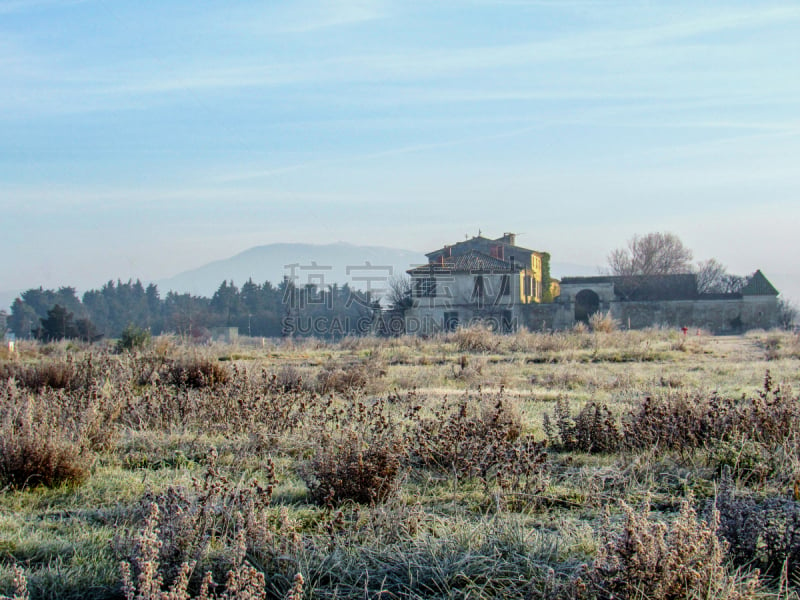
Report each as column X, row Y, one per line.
column 651, row 559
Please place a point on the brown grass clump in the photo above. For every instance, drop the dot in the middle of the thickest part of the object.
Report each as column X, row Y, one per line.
column 679, row 422
column 288, row 379
column 56, row 374
column 603, row 323
column 257, row 402
column 481, row 438
column 210, row 527
column 650, row 559
column 243, row 581
column 342, row 378
column 196, row 373
column 357, row 455
column 345, row 377
column 476, row 338
column 348, row 469
column 760, row 533
column 34, row 448
column 20, row 584
column 29, row 458
column 593, row 429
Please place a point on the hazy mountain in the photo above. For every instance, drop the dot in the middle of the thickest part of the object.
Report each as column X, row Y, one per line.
column 339, row 263
column 346, row 263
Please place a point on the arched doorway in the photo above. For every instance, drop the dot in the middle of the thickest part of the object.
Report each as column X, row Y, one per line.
column 587, row 303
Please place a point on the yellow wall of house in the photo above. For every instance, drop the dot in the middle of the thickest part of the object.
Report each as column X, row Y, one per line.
column 535, row 272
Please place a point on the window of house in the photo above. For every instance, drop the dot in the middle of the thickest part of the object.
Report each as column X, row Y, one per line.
column 505, row 285
column 528, row 285
column 478, row 289
column 506, row 322
column 451, row 320
column 425, row 287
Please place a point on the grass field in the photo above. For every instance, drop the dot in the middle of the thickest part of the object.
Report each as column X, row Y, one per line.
column 640, row 464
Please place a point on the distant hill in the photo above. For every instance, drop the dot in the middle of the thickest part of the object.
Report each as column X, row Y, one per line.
column 335, row 263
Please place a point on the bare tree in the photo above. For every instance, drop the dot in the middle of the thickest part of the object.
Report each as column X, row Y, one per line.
column 651, row 254
column 399, row 292
column 787, row 314
column 713, row 278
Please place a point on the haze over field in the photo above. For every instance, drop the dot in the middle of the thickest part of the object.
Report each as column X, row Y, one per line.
column 145, row 140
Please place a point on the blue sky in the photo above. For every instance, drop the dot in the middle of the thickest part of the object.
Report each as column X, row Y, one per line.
column 144, row 139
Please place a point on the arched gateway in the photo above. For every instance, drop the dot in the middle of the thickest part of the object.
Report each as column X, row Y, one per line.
column 587, row 302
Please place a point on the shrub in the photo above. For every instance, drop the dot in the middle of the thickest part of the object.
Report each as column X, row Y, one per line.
column 34, row 451
column 212, row 525
column 681, row 422
column 594, row 429
column 357, row 453
column 580, row 328
column 56, row 375
column 196, row 373
column 476, row 338
column 344, row 377
column 347, row 468
column 243, row 581
column 650, row 559
column 468, row 371
column 603, row 323
column 20, row 583
column 480, row 438
column 288, row 379
column 748, row 461
column 763, row 534
column 133, row 338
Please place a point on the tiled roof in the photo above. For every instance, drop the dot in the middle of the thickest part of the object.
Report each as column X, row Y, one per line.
column 478, row 239
column 472, row 262
column 758, row 285
column 480, row 244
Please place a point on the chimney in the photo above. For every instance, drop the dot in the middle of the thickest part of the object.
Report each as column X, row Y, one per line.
column 510, row 239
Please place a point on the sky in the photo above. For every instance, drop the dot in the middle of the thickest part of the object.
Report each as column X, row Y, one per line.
column 142, row 139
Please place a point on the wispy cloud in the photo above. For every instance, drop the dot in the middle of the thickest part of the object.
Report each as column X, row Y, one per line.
column 20, row 6
column 620, row 52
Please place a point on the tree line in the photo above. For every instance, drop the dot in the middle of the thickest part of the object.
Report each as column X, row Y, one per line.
column 264, row 310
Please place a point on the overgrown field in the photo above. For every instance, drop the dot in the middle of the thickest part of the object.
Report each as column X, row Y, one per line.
column 642, row 464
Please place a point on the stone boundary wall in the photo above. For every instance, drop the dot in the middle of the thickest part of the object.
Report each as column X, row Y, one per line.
column 719, row 316
column 715, row 316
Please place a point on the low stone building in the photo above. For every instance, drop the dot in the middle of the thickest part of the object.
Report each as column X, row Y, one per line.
column 670, row 300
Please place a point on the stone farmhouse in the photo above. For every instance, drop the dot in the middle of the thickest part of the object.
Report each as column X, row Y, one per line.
column 505, row 286
column 479, row 279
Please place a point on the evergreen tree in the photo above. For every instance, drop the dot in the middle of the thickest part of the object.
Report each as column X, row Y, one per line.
column 58, row 325
column 23, row 319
